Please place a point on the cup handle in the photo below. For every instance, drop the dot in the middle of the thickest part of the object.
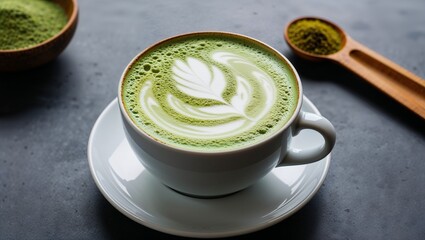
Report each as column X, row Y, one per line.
column 306, row 120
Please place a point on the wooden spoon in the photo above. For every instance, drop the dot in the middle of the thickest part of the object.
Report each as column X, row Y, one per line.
column 392, row 79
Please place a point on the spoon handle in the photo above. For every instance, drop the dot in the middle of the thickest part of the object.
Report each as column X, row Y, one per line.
column 392, row 79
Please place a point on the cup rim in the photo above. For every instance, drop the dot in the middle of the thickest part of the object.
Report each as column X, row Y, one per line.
column 262, row 142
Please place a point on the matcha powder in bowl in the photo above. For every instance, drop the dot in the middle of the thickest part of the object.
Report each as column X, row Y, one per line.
column 25, row 23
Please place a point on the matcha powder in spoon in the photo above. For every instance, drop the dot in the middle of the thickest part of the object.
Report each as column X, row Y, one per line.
column 315, row 36
column 25, row 23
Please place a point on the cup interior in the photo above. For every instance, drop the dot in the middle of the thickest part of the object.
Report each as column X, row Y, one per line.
column 282, row 59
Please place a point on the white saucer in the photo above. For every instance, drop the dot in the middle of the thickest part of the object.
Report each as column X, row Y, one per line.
column 133, row 191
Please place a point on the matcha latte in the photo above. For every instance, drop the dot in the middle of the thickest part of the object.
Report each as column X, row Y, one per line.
column 209, row 92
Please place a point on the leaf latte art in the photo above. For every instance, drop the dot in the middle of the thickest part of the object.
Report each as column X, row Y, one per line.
column 220, row 95
column 198, row 80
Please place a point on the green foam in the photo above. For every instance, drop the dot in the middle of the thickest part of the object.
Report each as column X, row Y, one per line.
column 155, row 65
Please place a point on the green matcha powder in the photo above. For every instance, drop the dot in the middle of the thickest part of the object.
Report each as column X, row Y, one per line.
column 25, row 23
column 315, row 36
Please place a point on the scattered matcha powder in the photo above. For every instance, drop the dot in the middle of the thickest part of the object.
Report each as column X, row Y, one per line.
column 315, row 36
column 25, row 23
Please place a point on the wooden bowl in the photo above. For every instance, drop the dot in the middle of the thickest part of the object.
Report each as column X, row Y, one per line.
column 31, row 57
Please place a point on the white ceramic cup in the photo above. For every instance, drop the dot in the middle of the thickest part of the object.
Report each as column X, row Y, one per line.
column 213, row 174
